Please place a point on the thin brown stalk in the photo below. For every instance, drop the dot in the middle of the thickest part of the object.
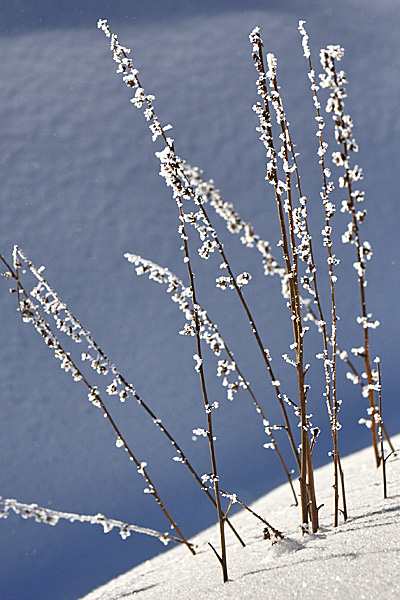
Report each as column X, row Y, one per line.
column 380, row 433
column 275, row 531
column 329, row 364
column 263, row 417
column 307, row 490
column 344, row 509
column 343, row 141
column 367, row 356
column 210, row 435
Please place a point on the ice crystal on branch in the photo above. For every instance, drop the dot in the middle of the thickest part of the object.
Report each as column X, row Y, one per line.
column 50, row 516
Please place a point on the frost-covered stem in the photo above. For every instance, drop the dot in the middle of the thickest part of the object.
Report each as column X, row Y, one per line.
column 234, row 223
column 276, row 533
column 380, row 421
column 262, row 415
column 342, row 126
column 361, row 281
column 200, row 369
column 30, row 312
column 307, row 490
column 50, row 516
column 329, row 364
column 306, row 480
column 341, row 353
column 291, row 268
column 307, row 493
column 291, row 271
column 143, row 471
column 256, row 334
column 264, row 419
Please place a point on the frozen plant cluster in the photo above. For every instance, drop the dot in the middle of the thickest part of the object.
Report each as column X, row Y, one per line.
column 300, row 281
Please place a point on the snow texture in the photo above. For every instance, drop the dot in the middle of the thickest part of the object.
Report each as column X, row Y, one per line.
column 357, row 560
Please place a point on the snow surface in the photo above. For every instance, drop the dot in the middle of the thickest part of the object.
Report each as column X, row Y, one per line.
column 360, row 559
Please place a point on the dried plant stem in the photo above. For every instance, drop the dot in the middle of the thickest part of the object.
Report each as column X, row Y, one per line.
column 142, row 470
column 380, row 433
column 270, row 434
column 262, row 415
column 333, row 404
column 51, row 517
column 341, row 353
column 210, row 435
column 343, row 124
column 344, row 357
column 307, row 491
column 367, row 356
column 344, row 509
column 29, row 312
column 276, row 533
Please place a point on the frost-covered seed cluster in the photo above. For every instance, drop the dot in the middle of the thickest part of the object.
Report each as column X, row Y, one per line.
column 130, row 78
column 235, row 224
column 335, row 81
column 181, row 295
column 67, row 323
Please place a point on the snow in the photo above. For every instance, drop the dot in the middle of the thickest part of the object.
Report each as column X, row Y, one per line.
column 357, row 560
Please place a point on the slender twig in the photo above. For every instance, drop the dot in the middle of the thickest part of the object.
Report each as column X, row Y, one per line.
column 307, row 490
column 343, row 133
column 332, row 402
column 208, row 407
column 50, row 516
column 234, row 499
column 380, row 421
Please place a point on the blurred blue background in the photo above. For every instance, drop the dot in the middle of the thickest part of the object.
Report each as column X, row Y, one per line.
column 80, row 187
